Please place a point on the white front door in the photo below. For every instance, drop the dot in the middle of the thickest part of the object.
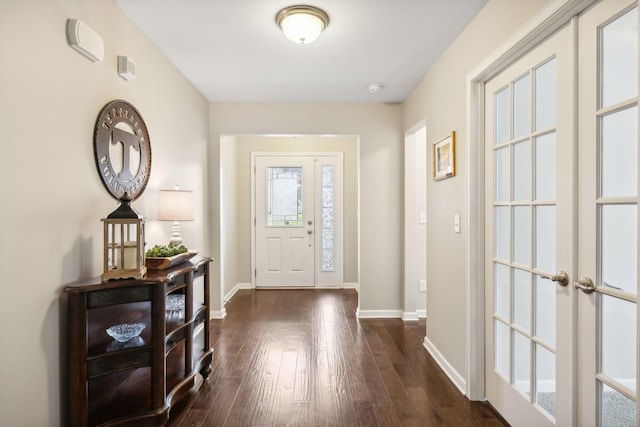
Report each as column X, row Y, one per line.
column 528, row 235
column 607, row 280
column 298, row 220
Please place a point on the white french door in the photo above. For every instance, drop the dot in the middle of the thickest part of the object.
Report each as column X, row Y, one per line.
column 528, row 211
column 561, row 168
column 298, row 220
column 607, row 281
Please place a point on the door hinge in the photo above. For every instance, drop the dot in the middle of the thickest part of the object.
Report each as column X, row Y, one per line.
column 255, row 221
column 255, row 272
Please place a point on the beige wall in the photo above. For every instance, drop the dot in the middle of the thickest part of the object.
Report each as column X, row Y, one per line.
column 243, row 146
column 378, row 129
column 53, row 198
column 440, row 100
column 231, row 256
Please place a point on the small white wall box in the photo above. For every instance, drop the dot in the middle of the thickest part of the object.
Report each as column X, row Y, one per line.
column 82, row 38
column 126, row 68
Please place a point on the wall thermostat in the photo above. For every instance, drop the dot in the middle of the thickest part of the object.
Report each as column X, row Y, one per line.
column 126, row 68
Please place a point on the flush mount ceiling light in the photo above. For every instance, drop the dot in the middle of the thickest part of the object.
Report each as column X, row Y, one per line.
column 302, row 24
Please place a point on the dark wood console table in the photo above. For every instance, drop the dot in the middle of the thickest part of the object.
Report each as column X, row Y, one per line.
column 136, row 382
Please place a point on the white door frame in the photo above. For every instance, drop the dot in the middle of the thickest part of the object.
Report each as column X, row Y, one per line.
column 550, row 19
column 339, row 241
column 415, row 230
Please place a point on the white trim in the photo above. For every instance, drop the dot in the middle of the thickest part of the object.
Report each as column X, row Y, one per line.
column 379, row 314
column 414, row 232
column 352, row 285
column 410, row 317
column 550, row 19
column 326, row 287
column 413, row 316
column 218, row 314
column 235, row 289
column 454, row 376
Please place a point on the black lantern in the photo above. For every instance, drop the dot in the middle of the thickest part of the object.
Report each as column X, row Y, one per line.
column 124, row 243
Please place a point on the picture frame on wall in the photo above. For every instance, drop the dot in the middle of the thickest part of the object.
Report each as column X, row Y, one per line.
column 444, row 157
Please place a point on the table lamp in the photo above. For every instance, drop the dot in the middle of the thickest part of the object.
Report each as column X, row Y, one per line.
column 175, row 205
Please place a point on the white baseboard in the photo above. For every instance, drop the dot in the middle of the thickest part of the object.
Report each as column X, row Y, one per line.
column 235, row 289
column 453, row 375
column 217, row 314
column 352, row 286
column 410, row 316
column 379, row 314
column 422, row 314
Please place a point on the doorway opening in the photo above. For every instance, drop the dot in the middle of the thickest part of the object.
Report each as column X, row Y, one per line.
column 415, row 223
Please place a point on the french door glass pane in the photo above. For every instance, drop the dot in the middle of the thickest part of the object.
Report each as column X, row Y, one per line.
column 522, row 235
column 522, row 170
column 522, row 106
column 618, row 340
column 284, row 197
column 546, row 379
column 501, row 291
column 545, row 95
column 546, row 310
column 522, row 299
column 619, row 45
column 546, row 167
column 616, row 409
column 501, row 175
column 502, row 345
column 619, row 153
column 545, row 238
column 502, row 116
column 522, row 363
column 619, row 250
column 501, row 227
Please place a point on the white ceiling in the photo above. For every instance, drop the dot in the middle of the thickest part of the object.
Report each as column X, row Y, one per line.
column 233, row 51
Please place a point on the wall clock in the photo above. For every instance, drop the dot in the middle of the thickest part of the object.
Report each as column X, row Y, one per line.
column 122, row 149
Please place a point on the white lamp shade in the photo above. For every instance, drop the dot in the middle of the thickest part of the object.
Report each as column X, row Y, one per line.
column 302, row 28
column 175, row 205
column 302, row 24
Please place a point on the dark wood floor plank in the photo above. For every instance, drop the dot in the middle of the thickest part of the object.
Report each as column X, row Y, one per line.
column 283, row 404
column 301, row 358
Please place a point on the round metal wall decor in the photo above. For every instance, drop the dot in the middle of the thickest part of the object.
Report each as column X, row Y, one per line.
column 122, row 149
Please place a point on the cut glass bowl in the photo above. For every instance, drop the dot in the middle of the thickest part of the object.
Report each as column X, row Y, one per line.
column 175, row 302
column 126, row 331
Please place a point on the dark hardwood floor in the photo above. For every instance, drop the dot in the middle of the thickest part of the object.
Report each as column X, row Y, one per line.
column 302, row 358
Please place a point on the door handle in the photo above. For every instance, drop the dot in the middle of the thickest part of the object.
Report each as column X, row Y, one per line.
column 561, row 277
column 309, row 231
column 585, row 285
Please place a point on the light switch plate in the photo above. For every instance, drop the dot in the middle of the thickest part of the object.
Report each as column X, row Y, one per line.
column 423, row 217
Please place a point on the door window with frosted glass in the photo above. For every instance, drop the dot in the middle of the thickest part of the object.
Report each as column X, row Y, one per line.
column 284, row 197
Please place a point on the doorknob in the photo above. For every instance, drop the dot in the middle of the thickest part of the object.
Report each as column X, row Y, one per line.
column 585, row 285
column 561, row 277
column 309, row 231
